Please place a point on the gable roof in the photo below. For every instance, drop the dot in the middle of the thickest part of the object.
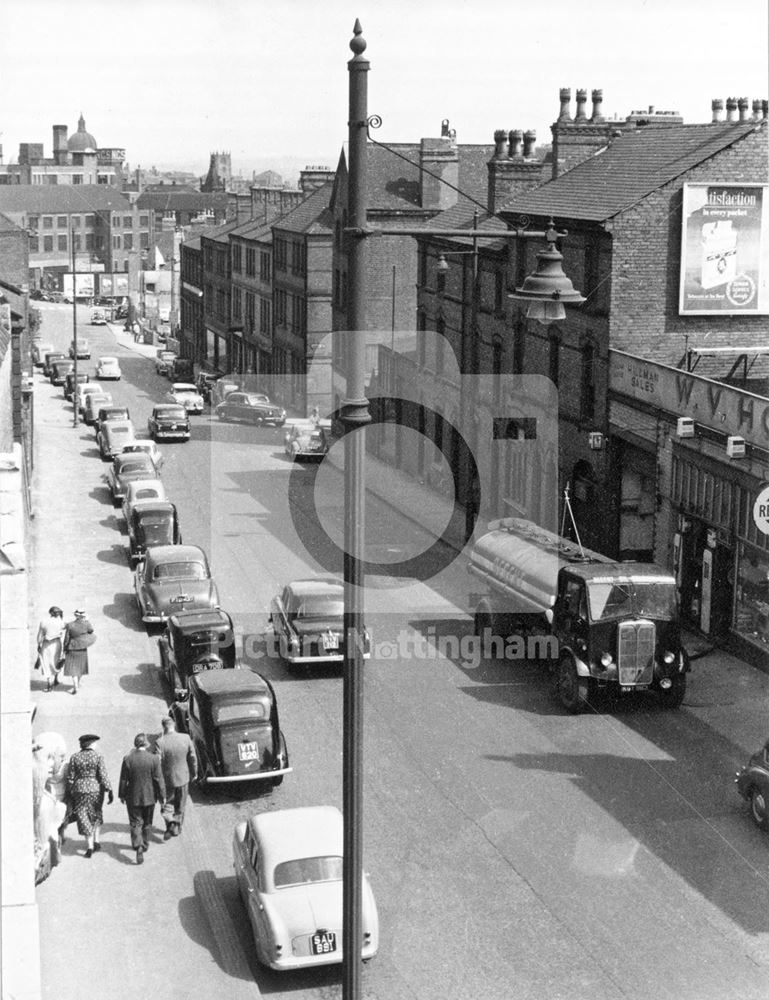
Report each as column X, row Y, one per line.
column 173, row 200
column 310, row 216
column 52, row 198
column 631, row 167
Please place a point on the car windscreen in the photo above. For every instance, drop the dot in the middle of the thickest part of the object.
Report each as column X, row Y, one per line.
column 180, row 571
column 173, row 413
column 126, row 468
column 618, row 598
column 306, row 870
column 116, row 431
column 155, row 529
column 243, row 711
column 319, row 607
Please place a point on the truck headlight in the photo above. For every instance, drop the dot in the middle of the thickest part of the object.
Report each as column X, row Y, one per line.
column 668, row 657
column 606, row 659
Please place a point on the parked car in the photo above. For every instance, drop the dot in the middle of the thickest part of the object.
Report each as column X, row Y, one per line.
column 69, row 382
column 308, row 621
column 187, row 396
column 288, row 865
column 232, row 719
column 48, row 359
column 108, row 368
column 109, row 411
column 113, row 436
column 126, row 469
column 148, row 446
column 38, row 351
column 163, row 361
column 205, row 382
column 194, row 641
column 59, row 370
column 94, row 401
column 83, row 349
column 82, row 392
column 181, row 370
column 305, row 440
column 173, row 578
column 169, row 420
column 252, row 407
column 152, row 523
column 753, row 785
column 98, row 317
column 141, row 491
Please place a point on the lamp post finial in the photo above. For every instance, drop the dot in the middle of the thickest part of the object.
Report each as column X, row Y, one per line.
column 357, row 42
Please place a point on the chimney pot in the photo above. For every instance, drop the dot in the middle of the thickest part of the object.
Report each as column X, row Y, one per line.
column 500, row 144
column 756, row 110
column 515, row 137
column 564, row 115
column 529, row 138
column 597, row 97
column 742, row 104
column 731, row 108
column 717, row 105
column 581, row 102
column 765, row 108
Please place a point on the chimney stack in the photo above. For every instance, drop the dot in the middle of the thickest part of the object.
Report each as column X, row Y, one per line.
column 756, row 110
column 731, row 108
column 564, row 115
column 529, row 138
column 581, row 102
column 717, row 105
column 60, row 144
column 597, row 96
column 515, row 138
column 765, row 108
column 742, row 104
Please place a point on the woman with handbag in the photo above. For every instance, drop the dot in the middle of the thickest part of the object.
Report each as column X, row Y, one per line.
column 79, row 635
column 49, row 649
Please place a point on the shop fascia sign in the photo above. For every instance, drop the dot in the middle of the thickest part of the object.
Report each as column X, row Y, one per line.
column 683, row 394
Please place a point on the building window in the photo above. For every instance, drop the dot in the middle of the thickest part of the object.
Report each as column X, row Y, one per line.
column 47, row 222
column 61, row 222
column 89, row 241
column 144, row 221
column 237, row 257
column 89, row 220
column 33, row 244
column 250, row 262
column 34, row 222
column 440, row 281
column 78, row 241
column 128, row 241
column 62, row 241
column 237, row 303
column 48, row 244
column 265, row 315
column 116, row 241
column 128, row 222
column 280, row 307
column 75, row 221
column 440, row 347
column 519, row 347
column 265, row 266
column 77, row 178
column 280, row 255
column 587, row 398
column 496, row 367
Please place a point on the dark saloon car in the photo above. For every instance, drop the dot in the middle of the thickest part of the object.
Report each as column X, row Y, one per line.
column 69, row 382
column 104, row 414
column 113, row 436
column 753, row 785
column 252, row 407
column 50, row 357
column 173, row 578
column 127, row 469
column 59, row 371
column 38, row 351
column 308, row 622
column 232, row 719
column 152, row 523
column 195, row 641
column 169, row 420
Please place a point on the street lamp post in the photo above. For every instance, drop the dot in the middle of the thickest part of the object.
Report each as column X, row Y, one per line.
column 545, row 291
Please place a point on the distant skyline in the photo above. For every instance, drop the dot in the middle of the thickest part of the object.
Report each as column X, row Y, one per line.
column 172, row 82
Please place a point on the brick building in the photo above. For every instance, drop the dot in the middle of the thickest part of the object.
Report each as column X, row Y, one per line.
column 183, row 207
column 217, row 293
column 192, row 333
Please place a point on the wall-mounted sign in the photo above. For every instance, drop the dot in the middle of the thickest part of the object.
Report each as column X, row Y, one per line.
column 724, row 250
column 761, row 511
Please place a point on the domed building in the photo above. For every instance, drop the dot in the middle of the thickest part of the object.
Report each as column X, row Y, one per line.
column 81, row 141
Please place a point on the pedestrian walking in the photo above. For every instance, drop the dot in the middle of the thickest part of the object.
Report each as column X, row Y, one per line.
column 78, row 636
column 50, row 635
column 87, row 784
column 141, row 786
column 180, row 767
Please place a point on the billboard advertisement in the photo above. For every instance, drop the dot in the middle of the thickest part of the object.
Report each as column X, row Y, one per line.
column 85, row 285
column 724, row 245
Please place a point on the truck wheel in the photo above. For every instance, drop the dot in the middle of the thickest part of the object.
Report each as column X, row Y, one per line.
column 758, row 808
column 572, row 690
column 674, row 695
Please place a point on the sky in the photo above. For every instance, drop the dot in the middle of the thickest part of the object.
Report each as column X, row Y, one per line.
column 173, row 81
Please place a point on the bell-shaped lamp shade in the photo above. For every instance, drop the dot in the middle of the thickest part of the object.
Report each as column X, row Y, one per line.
column 548, row 289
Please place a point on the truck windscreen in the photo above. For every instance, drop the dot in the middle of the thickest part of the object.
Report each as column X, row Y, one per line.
column 614, row 599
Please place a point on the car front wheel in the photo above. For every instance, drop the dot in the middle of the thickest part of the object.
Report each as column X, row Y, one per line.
column 758, row 808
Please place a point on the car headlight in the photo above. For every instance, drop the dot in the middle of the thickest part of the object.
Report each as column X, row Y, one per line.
column 668, row 657
column 606, row 659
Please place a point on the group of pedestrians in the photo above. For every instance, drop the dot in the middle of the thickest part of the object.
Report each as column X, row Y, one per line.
column 148, row 775
column 62, row 649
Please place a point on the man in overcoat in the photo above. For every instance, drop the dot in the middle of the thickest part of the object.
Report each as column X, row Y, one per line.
column 180, row 767
column 141, row 786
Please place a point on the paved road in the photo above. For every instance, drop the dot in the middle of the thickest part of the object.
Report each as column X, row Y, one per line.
column 514, row 851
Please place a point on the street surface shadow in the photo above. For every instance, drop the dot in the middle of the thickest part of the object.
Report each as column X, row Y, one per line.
column 115, row 555
column 101, row 494
column 145, row 679
column 123, row 610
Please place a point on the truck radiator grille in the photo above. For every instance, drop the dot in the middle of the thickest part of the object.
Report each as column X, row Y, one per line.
column 635, row 653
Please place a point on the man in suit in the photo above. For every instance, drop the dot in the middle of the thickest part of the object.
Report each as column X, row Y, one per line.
column 141, row 786
column 180, row 767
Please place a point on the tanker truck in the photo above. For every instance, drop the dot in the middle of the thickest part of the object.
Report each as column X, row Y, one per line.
column 609, row 624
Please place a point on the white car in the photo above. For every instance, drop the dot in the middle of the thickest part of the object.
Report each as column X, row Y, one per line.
column 139, row 490
column 148, row 446
column 187, row 395
column 108, row 368
column 288, row 864
column 98, row 317
column 84, row 390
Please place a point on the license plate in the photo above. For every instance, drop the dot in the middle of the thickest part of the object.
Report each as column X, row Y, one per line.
column 248, row 751
column 330, row 641
column 323, row 942
column 180, row 599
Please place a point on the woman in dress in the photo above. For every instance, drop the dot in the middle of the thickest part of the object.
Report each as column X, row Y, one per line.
column 87, row 784
column 49, row 646
column 79, row 635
